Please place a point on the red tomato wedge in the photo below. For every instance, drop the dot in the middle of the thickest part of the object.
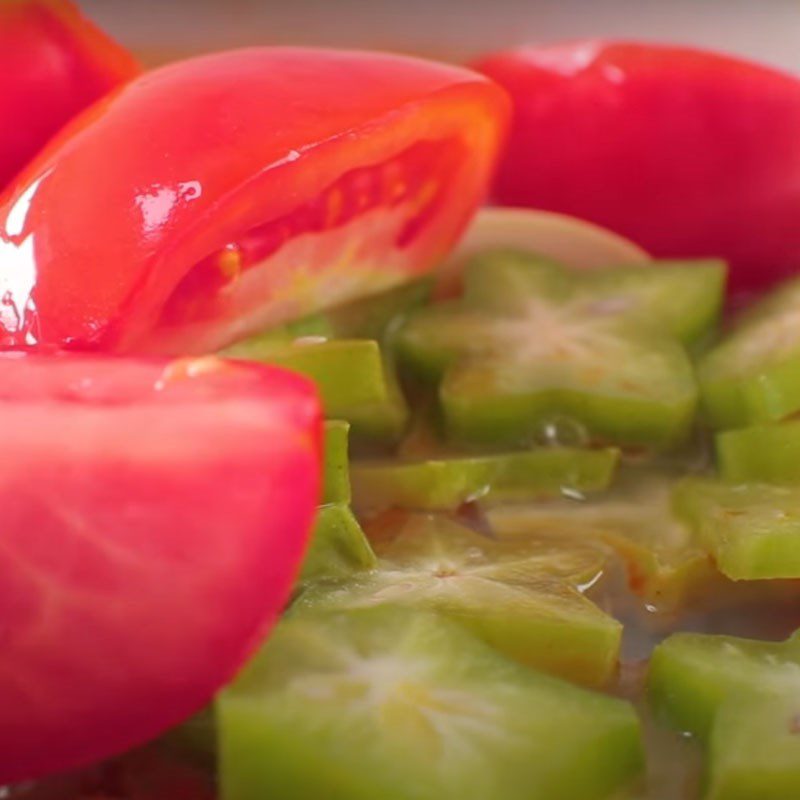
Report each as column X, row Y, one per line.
column 688, row 153
column 154, row 517
column 219, row 195
column 54, row 62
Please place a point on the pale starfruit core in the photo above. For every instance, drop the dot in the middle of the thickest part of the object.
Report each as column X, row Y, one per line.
column 354, row 380
column 446, row 483
column 751, row 530
column 760, row 453
column 635, row 520
column 404, row 705
column 753, row 375
column 523, row 598
column 338, row 545
column 531, row 340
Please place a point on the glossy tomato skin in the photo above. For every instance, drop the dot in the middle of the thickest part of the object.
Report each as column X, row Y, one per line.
column 688, row 153
column 54, row 62
column 185, row 161
column 155, row 515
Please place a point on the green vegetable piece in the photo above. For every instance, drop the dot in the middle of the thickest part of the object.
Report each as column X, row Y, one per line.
column 754, row 750
column 768, row 453
column 742, row 698
column 692, row 675
column 753, row 376
column 447, row 483
column 338, row 546
column 751, row 530
column 683, row 298
column 531, row 341
column 523, row 599
column 635, row 519
column 336, row 477
column 399, row 705
column 353, row 380
column 317, row 325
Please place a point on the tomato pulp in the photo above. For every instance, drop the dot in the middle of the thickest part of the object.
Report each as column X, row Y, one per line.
column 155, row 515
column 231, row 192
column 54, row 63
column 688, row 153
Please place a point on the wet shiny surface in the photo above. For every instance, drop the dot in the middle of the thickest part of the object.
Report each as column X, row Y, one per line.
column 102, row 228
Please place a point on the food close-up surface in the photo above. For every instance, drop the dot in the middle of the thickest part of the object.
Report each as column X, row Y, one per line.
column 399, row 406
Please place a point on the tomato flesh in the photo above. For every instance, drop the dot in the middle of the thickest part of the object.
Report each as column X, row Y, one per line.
column 414, row 182
column 155, row 515
column 688, row 153
column 54, row 63
column 319, row 177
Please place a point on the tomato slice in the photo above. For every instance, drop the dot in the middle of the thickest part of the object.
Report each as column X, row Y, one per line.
column 688, row 153
column 154, row 517
column 54, row 63
column 222, row 194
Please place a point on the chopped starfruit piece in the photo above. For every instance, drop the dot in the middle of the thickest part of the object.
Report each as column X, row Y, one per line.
column 336, row 464
column 683, row 298
column 401, row 705
column 354, row 380
column 524, row 598
column 760, row 453
column 691, row 675
column 742, row 698
column 754, row 751
column 338, row 545
column 753, row 375
column 446, row 483
column 635, row 520
column 751, row 530
column 531, row 341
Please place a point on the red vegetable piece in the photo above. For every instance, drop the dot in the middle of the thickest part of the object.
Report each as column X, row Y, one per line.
column 219, row 195
column 54, row 63
column 154, row 517
column 688, row 153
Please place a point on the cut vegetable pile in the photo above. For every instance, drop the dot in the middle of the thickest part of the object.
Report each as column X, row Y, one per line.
column 310, row 494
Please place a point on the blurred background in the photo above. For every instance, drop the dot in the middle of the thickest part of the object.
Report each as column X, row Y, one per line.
column 159, row 30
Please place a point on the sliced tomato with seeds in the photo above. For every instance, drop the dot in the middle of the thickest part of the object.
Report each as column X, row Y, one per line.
column 54, row 62
column 154, row 517
column 230, row 192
